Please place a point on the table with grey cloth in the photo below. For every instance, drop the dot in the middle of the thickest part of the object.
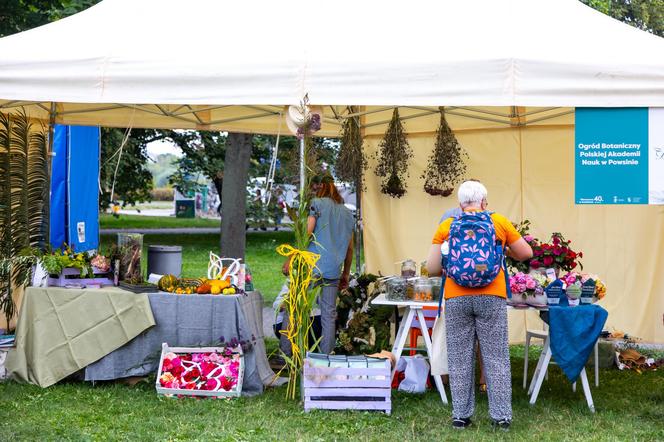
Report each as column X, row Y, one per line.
column 192, row 321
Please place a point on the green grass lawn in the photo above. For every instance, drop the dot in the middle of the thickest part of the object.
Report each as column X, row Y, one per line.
column 108, row 221
column 629, row 407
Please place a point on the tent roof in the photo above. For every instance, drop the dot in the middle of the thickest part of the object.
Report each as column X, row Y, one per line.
column 234, row 65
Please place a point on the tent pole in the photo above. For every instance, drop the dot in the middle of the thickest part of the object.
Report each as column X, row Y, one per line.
column 358, row 228
column 49, row 155
column 302, row 183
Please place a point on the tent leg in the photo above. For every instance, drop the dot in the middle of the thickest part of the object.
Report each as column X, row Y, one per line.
column 302, row 183
column 49, row 154
column 358, row 229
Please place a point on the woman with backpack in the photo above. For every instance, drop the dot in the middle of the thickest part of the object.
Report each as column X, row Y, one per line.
column 471, row 249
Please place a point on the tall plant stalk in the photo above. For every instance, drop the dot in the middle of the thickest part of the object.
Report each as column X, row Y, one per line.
column 302, row 290
column 23, row 192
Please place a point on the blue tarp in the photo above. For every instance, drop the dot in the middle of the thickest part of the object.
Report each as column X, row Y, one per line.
column 75, row 188
column 58, row 219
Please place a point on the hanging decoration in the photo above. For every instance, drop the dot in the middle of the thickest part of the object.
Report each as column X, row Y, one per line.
column 393, row 158
column 446, row 166
column 351, row 162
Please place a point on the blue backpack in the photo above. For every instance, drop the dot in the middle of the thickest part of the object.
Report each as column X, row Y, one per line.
column 475, row 257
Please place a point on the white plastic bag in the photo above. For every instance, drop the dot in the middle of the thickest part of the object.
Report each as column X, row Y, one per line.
column 416, row 371
column 439, row 350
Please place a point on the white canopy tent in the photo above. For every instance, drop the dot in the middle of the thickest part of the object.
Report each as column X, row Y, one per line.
column 210, row 64
column 509, row 73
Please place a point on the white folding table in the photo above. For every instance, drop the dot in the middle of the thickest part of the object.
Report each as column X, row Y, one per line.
column 413, row 310
column 543, row 365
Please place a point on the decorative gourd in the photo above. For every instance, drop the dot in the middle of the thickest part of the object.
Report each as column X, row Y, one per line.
column 191, row 282
column 167, row 283
column 204, row 288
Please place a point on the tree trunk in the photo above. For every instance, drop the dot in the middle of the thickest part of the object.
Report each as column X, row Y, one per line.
column 234, row 209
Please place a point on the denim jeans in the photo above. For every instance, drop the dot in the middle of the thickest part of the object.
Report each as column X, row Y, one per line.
column 327, row 301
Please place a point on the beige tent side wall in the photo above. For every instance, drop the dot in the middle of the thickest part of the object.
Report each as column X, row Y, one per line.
column 529, row 174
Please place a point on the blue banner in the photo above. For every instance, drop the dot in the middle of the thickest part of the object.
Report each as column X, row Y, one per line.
column 611, row 156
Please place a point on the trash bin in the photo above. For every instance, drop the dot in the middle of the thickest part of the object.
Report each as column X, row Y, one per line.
column 165, row 260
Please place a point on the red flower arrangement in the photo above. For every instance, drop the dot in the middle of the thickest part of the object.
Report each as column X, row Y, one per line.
column 557, row 254
column 211, row 371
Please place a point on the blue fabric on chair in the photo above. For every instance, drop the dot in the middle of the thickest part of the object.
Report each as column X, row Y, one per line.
column 573, row 332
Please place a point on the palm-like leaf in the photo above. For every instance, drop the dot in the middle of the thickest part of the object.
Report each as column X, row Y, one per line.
column 23, row 195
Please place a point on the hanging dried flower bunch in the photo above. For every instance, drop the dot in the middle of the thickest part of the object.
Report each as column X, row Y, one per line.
column 395, row 152
column 351, row 162
column 446, row 166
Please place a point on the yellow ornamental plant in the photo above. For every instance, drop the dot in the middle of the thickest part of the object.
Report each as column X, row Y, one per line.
column 302, row 289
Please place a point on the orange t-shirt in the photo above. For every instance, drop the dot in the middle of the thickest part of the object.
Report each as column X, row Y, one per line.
column 505, row 233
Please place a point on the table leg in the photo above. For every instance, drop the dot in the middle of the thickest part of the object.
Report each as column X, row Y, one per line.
column 539, row 377
column 402, row 335
column 586, row 390
column 538, row 368
column 438, row 379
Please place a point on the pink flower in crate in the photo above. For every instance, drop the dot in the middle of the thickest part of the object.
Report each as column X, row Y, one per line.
column 214, row 357
column 166, row 379
column 177, row 370
column 207, row 367
column 531, row 284
column 228, row 383
column 234, row 369
column 197, row 357
column 521, row 288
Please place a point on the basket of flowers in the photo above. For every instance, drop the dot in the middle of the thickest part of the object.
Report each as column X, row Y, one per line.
column 66, row 267
column 201, row 371
column 528, row 289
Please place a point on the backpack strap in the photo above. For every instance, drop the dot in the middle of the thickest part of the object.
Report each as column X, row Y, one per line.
column 441, row 295
column 508, row 289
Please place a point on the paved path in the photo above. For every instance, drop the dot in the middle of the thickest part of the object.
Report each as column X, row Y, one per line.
column 165, row 231
column 181, row 230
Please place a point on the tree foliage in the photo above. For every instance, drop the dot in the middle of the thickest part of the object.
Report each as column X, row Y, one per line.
column 133, row 182
column 21, row 15
column 647, row 15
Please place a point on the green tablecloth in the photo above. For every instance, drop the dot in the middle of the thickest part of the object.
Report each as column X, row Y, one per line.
column 61, row 331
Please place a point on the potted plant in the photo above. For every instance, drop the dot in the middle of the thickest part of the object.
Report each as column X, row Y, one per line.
column 556, row 254
column 528, row 289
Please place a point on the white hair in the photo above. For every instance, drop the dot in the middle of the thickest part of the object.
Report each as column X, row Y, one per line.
column 471, row 193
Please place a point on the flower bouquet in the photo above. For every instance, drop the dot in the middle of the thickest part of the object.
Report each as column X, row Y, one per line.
column 556, row 254
column 580, row 284
column 204, row 371
column 528, row 289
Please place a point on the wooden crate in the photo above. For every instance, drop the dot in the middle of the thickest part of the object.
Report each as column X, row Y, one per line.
column 236, row 392
column 332, row 388
column 73, row 276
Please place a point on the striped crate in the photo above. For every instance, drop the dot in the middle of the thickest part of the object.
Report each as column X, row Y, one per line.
column 332, row 388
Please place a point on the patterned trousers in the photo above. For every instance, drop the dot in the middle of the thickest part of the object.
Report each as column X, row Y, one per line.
column 485, row 317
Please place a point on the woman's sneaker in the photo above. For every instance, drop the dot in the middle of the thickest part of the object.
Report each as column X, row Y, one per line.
column 503, row 424
column 461, row 423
